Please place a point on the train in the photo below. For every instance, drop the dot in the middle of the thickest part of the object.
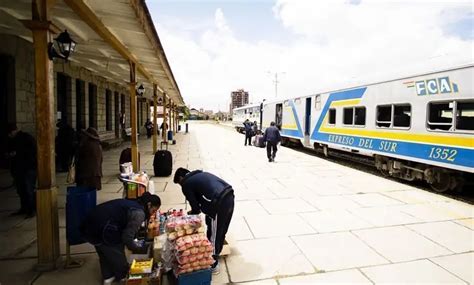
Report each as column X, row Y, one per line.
column 419, row 127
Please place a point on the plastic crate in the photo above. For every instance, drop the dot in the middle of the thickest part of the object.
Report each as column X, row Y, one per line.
column 201, row 277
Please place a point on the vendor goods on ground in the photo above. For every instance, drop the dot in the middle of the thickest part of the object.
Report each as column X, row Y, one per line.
column 187, row 248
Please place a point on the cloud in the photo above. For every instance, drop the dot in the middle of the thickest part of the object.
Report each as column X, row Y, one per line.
column 338, row 44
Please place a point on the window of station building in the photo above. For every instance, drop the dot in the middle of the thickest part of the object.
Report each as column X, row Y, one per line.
column 108, row 110
column 384, row 116
column 317, row 102
column 465, row 116
column 348, row 116
column 440, row 116
column 332, row 117
column 401, row 116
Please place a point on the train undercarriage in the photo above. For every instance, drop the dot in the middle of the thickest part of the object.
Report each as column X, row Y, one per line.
column 440, row 179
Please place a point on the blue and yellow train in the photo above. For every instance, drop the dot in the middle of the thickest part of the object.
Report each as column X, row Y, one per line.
column 415, row 128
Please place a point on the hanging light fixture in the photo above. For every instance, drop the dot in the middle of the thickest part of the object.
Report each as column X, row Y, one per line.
column 64, row 43
column 140, row 90
column 160, row 101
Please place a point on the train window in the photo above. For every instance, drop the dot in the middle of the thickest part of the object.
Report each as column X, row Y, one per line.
column 332, row 116
column 384, row 116
column 348, row 116
column 465, row 116
column 317, row 102
column 401, row 116
column 440, row 116
column 359, row 116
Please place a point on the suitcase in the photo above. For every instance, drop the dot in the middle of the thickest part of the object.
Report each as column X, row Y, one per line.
column 126, row 156
column 163, row 162
column 259, row 142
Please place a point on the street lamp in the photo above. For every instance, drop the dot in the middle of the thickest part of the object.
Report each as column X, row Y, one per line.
column 65, row 44
column 140, row 90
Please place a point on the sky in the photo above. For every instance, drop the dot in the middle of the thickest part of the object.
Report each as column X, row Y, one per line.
column 215, row 47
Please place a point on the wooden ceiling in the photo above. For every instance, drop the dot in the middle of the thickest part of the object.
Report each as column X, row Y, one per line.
column 109, row 34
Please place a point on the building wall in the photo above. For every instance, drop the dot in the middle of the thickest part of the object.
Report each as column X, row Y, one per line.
column 24, row 93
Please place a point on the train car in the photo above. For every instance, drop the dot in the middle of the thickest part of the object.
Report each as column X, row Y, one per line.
column 250, row 112
column 414, row 128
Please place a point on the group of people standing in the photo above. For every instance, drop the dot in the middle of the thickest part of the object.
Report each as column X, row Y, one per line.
column 271, row 137
column 83, row 148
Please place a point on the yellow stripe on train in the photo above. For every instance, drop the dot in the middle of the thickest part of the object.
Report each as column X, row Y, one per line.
column 409, row 137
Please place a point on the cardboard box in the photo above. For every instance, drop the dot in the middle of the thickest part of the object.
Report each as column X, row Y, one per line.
column 225, row 249
column 140, row 266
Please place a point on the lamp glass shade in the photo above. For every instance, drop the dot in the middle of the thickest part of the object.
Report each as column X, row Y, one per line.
column 141, row 90
column 65, row 44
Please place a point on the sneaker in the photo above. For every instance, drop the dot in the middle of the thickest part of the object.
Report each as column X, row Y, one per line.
column 269, row 160
column 109, row 281
column 215, row 269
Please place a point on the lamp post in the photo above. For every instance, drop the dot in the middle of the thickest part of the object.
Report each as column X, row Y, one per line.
column 275, row 81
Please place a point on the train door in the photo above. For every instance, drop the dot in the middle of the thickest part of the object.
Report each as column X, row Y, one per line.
column 279, row 115
column 307, row 121
column 261, row 117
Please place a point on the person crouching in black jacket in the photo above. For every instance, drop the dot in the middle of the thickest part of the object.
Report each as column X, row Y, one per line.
column 214, row 197
column 113, row 225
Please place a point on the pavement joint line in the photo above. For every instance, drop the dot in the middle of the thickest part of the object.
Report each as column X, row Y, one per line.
column 365, row 275
column 250, row 229
column 439, row 265
column 369, row 246
column 422, row 235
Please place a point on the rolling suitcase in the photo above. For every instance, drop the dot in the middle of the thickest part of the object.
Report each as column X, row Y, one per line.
column 163, row 162
column 259, row 142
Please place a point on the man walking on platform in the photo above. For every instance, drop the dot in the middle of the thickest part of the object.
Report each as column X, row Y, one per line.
column 214, row 197
column 272, row 138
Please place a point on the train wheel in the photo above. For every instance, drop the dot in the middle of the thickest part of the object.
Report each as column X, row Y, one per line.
column 325, row 151
column 441, row 182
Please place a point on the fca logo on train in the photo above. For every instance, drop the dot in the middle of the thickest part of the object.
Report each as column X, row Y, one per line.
column 434, row 86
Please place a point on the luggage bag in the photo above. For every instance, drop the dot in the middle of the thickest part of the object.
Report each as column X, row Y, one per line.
column 163, row 162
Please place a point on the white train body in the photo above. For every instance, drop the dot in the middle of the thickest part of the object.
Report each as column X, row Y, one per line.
column 250, row 112
column 426, row 119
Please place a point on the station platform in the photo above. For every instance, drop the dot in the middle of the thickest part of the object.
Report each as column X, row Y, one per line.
column 299, row 220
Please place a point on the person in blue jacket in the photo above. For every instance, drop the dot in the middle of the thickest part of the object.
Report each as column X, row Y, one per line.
column 272, row 138
column 248, row 132
column 113, row 225
column 211, row 195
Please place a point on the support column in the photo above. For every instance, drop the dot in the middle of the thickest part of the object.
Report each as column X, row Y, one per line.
column 171, row 113
column 155, row 115
column 133, row 112
column 176, row 118
column 46, row 194
column 164, row 135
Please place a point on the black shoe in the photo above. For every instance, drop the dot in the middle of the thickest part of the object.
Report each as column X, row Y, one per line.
column 18, row 213
column 270, row 160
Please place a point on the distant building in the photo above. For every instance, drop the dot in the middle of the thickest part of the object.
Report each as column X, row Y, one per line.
column 194, row 114
column 238, row 98
column 221, row 116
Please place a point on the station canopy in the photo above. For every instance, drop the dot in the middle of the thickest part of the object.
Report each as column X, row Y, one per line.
column 109, row 34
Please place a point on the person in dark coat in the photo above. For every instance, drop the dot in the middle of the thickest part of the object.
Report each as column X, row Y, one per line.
column 248, row 132
column 272, row 138
column 64, row 146
column 113, row 225
column 211, row 195
column 149, row 128
column 22, row 154
column 89, row 160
